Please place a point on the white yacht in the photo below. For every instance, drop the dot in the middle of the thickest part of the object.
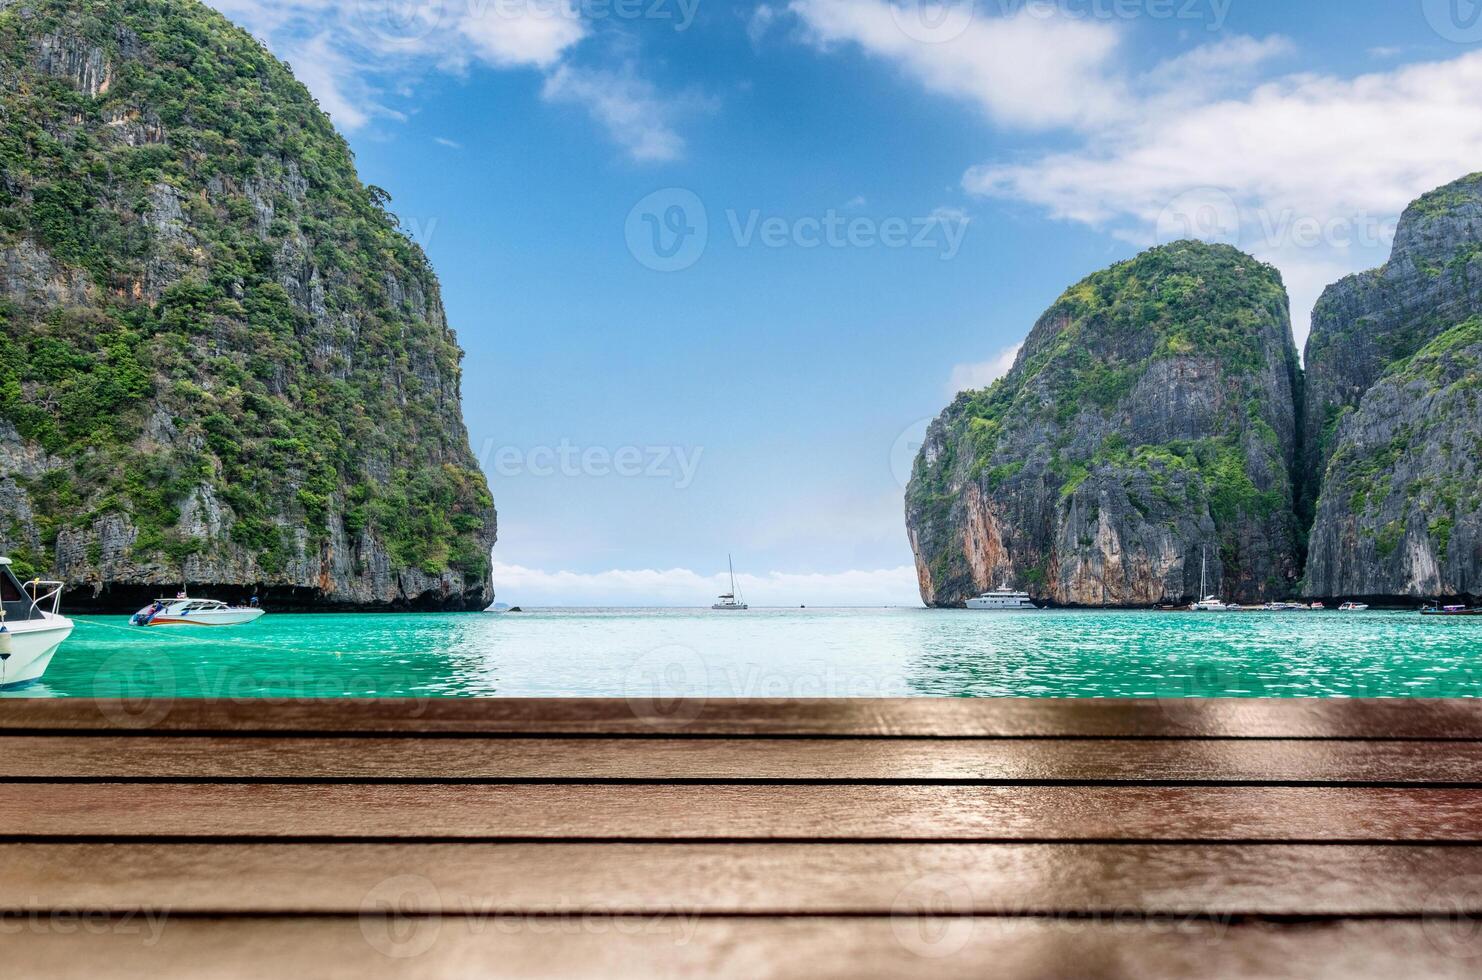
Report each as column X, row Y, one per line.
column 29, row 632
column 729, row 602
column 1003, row 599
column 185, row 611
column 1210, row 603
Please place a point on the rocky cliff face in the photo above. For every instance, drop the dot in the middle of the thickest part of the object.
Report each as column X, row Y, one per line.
column 1393, row 409
column 1364, row 324
column 1149, row 422
column 220, row 360
column 1400, row 512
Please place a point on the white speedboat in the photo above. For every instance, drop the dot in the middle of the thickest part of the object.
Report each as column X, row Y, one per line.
column 29, row 632
column 1003, row 599
column 729, row 601
column 185, row 611
column 1353, row 607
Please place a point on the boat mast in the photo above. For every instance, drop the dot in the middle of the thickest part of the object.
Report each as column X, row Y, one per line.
column 1204, row 574
column 732, row 568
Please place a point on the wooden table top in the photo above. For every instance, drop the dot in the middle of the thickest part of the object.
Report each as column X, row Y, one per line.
column 611, row 837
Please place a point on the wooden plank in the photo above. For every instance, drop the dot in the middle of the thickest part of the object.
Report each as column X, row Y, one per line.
column 754, row 812
column 1003, row 760
column 728, row 879
column 615, row 946
column 647, row 716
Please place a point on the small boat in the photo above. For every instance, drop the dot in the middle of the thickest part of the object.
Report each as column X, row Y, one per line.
column 185, row 611
column 728, row 601
column 1003, row 599
column 1318, row 607
column 1353, row 607
column 1432, row 609
column 1210, row 603
column 31, row 627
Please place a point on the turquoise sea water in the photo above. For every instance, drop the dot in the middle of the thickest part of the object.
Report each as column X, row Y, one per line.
column 780, row 653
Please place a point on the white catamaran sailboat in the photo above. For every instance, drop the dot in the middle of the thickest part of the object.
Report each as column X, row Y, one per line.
column 729, row 602
column 29, row 633
column 1210, row 603
column 1003, row 599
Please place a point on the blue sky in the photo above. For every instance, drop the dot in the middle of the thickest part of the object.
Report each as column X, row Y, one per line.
column 715, row 265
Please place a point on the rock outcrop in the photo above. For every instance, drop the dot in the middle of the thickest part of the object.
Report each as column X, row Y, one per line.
column 1366, row 323
column 221, row 361
column 1148, row 425
column 1400, row 512
column 1393, row 420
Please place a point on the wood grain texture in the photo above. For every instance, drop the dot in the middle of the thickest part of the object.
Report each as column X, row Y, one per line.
column 879, row 760
column 371, row 949
column 757, row 812
column 613, row 837
column 766, row 879
column 985, row 717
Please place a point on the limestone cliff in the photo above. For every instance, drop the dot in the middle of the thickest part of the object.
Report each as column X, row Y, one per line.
column 1148, row 422
column 1393, row 409
column 220, row 359
column 1366, row 323
column 1400, row 512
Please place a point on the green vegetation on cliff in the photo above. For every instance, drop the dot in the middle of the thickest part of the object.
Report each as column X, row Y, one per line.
column 1154, row 401
column 213, row 312
column 1394, row 412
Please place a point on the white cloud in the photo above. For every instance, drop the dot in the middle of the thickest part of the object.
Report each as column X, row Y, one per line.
column 949, row 215
column 1307, row 171
column 1025, row 69
column 1209, row 70
column 346, row 53
column 1314, row 168
column 450, row 144
column 970, row 377
column 627, row 106
column 760, row 22
column 520, row 35
column 523, row 586
column 328, row 74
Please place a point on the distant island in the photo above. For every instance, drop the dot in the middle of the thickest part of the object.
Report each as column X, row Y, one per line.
column 221, row 361
column 1157, row 421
